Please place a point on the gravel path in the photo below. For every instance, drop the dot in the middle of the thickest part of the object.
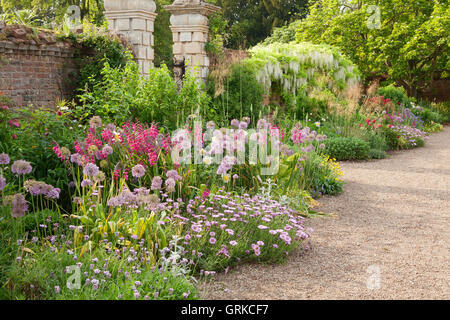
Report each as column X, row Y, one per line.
column 389, row 237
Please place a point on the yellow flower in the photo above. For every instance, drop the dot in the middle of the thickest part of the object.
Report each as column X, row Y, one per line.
column 226, row 178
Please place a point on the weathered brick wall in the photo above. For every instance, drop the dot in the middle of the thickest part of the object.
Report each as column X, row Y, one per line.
column 35, row 68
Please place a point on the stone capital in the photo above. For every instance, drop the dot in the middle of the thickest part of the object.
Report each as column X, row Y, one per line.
column 130, row 5
column 192, row 7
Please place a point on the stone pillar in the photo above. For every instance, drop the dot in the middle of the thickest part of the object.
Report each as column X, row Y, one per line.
column 135, row 20
column 190, row 28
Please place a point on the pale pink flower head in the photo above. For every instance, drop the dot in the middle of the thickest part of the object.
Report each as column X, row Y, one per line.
column 19, row 206
column 138, row 171
column 95, row 122
column 156, row 183
column 21, row 167
column 4, row 158
column 2, row 183
column 91, row 170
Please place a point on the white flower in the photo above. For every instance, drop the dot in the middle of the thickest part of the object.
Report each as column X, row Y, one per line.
column 207, row 160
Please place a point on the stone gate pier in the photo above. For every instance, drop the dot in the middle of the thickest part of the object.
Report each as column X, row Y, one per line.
column 135, row 20
column 190, row 30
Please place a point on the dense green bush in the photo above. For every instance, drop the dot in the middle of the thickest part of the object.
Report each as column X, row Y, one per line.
column 96, row 49
column 238, row 95
column 35, row 134
column 396, row 94
column 306, row 106
column 347, row 148
column 377, row 154
column 428, row 115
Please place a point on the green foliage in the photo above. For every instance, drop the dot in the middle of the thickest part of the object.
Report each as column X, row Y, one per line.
column 217, row 27
column 53, row 13
column 241, row 95
column 347, row 148
column 41, row 271
column 124, row 93
column 36, row 136
column 306, row 106
column 251, row 21
column 283, row 34
column 295, row 72
column 163, row 35
column 397, row 95
column 97, row 47
column 411, row 45
column 313, row 172
column 377, row 154
column 428, row 115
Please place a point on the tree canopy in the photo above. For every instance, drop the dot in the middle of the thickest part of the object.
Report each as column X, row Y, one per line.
column 410, row 45
column 251, row 21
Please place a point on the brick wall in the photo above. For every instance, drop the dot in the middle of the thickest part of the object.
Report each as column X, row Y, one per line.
column 35, row 68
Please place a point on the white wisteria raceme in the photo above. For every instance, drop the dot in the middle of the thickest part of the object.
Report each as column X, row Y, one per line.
column 295, row 65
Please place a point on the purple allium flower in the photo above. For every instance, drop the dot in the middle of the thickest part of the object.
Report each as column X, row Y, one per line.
column 4, row 158
column 235, row 123
column 233, row 243
column 170, row 185
column 86, row 183
column 243, row 125
column 212, row 240
column 95, row 122
column 262, row 227
column 19, row 206
column 20, row 167
column 2, row 183
column 173, row 174
column 91, row 170
column 76, row 158
column 138, row 171
column 57, row 289
column 107, row 150
column 260, row 243
column 156, row 183
column 54, row 193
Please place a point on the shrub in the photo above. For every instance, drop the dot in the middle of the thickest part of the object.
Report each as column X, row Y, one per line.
column 238, row 95
column 97, row 48
column 403, row 137
column 377, row 154
column 428, row 115
column 307, row 107
column 347, row 148
column 35, row 133
column 397, row 94
column 125, row 93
